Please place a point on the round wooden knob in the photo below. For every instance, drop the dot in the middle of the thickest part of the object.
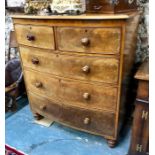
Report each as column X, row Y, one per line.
column 30, row 37
column 85, row 41
column 35, row 61
column 86, row 120
column 38, row 84
column 86, row 69
column 37, row 116
column 43, row 107
column 86, row 96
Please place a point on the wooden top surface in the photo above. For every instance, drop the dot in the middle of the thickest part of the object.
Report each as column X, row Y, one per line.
column 143, row 72
column 80, row 17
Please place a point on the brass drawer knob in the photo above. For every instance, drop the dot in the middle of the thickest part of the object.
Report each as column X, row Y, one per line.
column 38, row 84
column 85, row 41
column 35, row 61
column 30, row 37
column 86, row 96
column 43, row 107
column 86, row 69
column 86, row 121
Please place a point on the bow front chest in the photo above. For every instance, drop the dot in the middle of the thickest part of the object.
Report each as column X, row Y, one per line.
column 76, row 68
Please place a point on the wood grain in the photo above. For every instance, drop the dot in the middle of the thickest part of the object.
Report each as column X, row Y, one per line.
column 143, row 90
column 72, row 65
column 51, row 110
column 72, row 92
column 49, row 85
column 143, row 72
column 97, row 123
column 100, row 96
column 110, row 7
column 129, row 45
column 46, row 42
column 100, row 122
column 139, row 144
column 79, row 17
column 101, row 40
column 83, row 69
column 99, row 69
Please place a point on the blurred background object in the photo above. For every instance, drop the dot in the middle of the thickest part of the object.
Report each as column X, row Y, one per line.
column 111, row 6
column 37, row 7
column 14, row 83
column 74, row 7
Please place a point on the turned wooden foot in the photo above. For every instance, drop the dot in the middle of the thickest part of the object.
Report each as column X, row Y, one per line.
column 111, row 143
column 37, row 116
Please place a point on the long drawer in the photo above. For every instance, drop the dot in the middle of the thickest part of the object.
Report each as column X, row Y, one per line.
column 72, row 92
column 35, row 36
column 88, row 120
column 82, row 67
column 89, row 40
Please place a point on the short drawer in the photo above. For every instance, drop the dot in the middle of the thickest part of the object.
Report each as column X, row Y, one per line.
column 40, row 60
column 102, row 123
column 90, row 96
column 42, row 84
column 81, row 67
column 89, row 40
column 35, row 36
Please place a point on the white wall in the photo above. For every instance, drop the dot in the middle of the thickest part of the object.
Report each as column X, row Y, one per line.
column 14, row 3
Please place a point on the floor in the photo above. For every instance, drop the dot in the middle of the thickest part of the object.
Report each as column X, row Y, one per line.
column 33, row 139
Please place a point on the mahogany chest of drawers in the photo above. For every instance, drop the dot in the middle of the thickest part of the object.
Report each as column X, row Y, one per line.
column 76, row 68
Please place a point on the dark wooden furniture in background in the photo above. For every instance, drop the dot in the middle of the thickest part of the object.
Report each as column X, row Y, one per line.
column 77, row 67
column 140, row 130
column 110, row 6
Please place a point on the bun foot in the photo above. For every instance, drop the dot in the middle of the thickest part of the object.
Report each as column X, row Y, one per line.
column 37, row 116
column 111, row 143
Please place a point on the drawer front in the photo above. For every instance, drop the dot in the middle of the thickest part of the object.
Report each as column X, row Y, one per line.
column 140, row 130
column 72, row 92
column 91, row 68
column 35, row 36
column 40, row 60
column 88, row 68
column 102, row 123
column 92, row 121
column 42, row 84
column 88, row 96
column 44, row 106
column 89, row 40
